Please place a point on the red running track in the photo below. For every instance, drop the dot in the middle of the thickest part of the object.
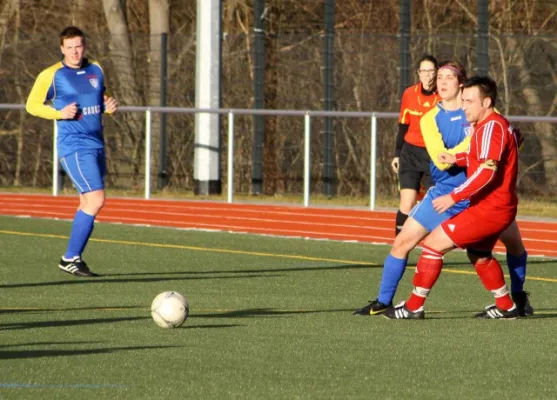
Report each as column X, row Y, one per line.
column 540, row 238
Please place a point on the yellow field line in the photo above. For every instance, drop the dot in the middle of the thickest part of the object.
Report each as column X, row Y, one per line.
column 250, row 253
column 194, row 248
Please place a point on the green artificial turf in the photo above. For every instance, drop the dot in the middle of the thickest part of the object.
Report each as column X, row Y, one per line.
column 269, row 318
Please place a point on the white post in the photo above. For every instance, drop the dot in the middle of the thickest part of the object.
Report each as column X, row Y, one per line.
column 230, row 156
column 373, row 156
column 207, row 152
column 148, row 154
column 55, row 163
column 307, row 161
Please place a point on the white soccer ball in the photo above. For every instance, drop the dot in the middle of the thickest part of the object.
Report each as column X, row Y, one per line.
column 170, row 309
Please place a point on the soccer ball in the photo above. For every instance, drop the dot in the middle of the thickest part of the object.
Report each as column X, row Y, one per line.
column 170, row 309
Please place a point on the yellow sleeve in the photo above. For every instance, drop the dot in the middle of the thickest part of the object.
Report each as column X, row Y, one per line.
column 462, row 147
column 432, row 138
column 36, row 101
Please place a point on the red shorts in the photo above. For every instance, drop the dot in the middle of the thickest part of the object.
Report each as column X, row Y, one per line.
column 474, row 228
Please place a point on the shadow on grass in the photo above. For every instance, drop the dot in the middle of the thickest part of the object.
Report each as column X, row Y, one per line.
column 20, row 354
column 263, row 271
column 263, row 312
column 74, row 322
column 187, row 275
column 161, row 278
column 543, row 313
column 186, row 326
column 48, row 343
column 469, row 314
column 53, row 309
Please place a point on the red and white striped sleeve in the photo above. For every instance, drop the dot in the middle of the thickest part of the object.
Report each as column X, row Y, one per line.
column 489, row 147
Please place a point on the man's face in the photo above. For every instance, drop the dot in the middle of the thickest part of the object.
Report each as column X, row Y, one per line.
column 474, row 107
column 73, row 50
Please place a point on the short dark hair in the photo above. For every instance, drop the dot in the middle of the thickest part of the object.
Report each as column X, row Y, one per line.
column 70, row 32
column 428, row 57
column 433, row 60
column 486, row 86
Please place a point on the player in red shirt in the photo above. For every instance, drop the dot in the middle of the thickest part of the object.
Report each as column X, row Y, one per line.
column 411, row 160
column 492, row 168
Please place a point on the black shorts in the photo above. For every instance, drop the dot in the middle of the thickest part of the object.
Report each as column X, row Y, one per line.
column 413, row 170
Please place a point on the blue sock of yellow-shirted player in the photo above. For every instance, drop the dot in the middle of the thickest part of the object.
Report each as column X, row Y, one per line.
column 82, row 228
column 517, row 271
column 393, row 270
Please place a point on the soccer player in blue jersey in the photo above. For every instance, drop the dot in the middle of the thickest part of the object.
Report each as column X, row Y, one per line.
column 444, row 127
column 73, row 93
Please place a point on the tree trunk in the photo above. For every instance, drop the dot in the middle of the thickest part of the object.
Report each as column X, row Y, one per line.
column 17, row 86
column 158, row 25
column 271, row 172
column 78, row 12
column 5, row 16
column 122, row 57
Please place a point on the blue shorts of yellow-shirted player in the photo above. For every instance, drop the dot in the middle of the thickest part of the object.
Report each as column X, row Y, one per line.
column 425, row 214
column 86, row 169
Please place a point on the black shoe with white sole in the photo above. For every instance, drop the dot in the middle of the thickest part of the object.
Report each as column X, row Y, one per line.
column 76, row 266
column 401, row 312
column 494, row 312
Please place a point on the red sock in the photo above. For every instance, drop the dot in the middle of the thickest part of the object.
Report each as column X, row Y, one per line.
column 493, row 280
column 427, row 271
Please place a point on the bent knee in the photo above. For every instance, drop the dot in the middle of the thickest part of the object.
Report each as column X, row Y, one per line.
column 93, row 202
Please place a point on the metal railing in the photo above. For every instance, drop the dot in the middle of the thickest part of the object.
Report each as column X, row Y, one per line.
column 307, row 115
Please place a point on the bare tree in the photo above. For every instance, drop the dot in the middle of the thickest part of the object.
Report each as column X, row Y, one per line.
column 514, row 66
column 121, row 55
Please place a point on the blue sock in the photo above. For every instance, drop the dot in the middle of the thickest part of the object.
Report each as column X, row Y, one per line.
column 81, row 230
column 393, row 269
column 517, row 271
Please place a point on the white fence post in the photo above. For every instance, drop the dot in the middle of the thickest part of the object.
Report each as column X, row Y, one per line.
column 307, row 161
column 372, row 159
column 55, row 163
column 148, row 154
column 230, row 156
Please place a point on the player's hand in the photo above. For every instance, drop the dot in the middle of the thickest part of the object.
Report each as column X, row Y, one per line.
column 395, row 164
column 446, row 158
column 443, row 203
column 110, row 105
column 70, row 111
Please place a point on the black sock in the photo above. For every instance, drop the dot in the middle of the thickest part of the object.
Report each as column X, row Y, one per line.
column 400, row 220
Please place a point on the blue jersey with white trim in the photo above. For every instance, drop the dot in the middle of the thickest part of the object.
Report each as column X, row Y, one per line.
column 453, row 129
column 60, row 85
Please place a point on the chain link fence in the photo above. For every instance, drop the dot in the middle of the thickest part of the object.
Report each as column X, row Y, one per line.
column 366, row 79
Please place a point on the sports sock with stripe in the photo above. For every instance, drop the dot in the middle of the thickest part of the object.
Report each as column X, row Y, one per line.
column 517, row 271
column 427, row 272
column 491, row 275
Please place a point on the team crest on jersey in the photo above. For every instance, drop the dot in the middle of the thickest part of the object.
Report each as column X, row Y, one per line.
column 467, row 130
column 94, row 82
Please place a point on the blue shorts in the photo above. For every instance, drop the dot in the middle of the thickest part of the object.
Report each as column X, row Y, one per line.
column 86, row 169
column 425, row 214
